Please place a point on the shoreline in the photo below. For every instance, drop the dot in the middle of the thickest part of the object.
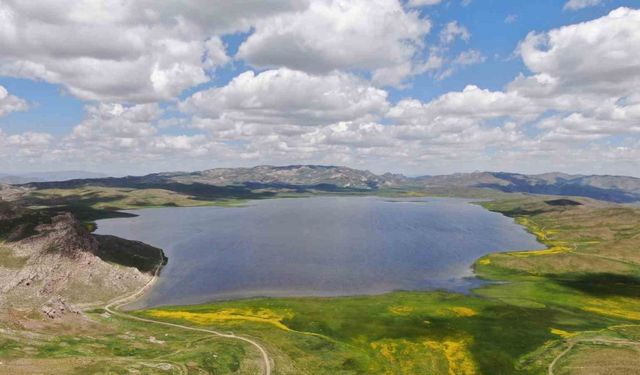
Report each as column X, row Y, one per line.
column 466, row 283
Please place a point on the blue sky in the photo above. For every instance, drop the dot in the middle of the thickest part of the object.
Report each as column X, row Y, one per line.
column 85, row 105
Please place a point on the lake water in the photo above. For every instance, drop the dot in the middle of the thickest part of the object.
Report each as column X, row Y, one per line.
column 321, row 246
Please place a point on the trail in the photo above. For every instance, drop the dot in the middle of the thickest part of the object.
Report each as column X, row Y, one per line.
column 572, row 343
column 113, row 308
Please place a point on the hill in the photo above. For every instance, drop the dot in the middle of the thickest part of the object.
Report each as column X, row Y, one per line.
column 49, row 262
column 264, row 181
column 24, row 178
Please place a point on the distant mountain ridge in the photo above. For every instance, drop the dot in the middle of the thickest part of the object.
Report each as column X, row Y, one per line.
column 620, row 189
column 25, row 178
column 299, row 178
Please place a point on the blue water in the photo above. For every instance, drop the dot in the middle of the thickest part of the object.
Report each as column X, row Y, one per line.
column 323, row 246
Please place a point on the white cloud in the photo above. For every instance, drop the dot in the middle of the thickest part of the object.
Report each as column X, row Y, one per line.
column 580, row 4
column 114, row 126
column 588, row 72
column 28, row 140
column 284, row 96
column 115, row 51
column 577, row 107
column 511, row 18
column 420, row 3
column 21, row 147
column 470, row 57
column 10, row 103
column 472, row 102
column 597, row 55
column 360, row 35
column 452, row 31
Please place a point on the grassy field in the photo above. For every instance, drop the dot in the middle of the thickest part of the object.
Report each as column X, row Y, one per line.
column 582, row 291
column 573, row 308
column 91, row 203
column 104, row 344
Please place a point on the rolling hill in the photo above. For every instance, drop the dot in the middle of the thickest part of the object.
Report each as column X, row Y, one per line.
column 261, row 180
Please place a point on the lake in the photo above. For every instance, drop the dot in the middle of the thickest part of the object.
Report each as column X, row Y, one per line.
column 320, row 246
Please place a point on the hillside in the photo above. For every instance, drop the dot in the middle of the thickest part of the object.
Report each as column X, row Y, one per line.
column 265, row 181
column 49, row 262
column 9, row 192
column 24, row 178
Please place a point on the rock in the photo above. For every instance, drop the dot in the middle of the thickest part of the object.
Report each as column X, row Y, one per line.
column 153, row 340
column 64, row 265
column 57, row 307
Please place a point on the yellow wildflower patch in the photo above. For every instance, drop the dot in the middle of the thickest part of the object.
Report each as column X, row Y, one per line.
column 404, row 356
column 541, row 233
column 266, row 316
column 562, row 333
column 426, row 357
column 401, row 310
column 458, row 356
column 485, row 261
column 544, row 235
column 549, row 251
column 626, row 308
column 463, row 311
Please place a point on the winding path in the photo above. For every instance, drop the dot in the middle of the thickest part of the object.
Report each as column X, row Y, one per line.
column 572, row 343
column 113, row 308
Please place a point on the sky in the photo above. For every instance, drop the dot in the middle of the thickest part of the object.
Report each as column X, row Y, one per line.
column 413, row 86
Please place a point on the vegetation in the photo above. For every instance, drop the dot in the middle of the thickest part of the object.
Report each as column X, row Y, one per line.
column 574, row 305
column 129, row 253
column 89, row 203
column 109, row 345
column 583, row 291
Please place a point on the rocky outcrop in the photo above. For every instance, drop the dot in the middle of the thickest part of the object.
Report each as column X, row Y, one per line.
column 11, row 193
column 61, row 265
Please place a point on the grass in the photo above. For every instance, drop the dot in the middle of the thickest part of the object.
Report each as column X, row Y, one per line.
column 90, row 203
column 111, row 198
column 110, row 345
column 9, row 260
column 584, row 282
column 396, row 333
column 582, row 293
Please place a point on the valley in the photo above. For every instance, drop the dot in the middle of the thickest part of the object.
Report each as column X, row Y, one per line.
column 572, row 305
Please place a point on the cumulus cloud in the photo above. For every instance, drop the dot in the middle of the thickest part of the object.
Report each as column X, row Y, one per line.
column 337, row 35
column 576, row 106
column 453, row 31
column 284, row 96
column 21, row 147
column 28, row 140
column 122, row 51
column 114, row 127
column 127, row 136
column 582, row 91
column 420, row 3
column 595, row 55
column 586, row 71
column 10, row 103
column 472, row 102
column 470, row 57
column 581, row 4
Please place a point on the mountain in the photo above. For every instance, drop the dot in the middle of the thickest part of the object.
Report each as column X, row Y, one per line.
column 263, row 180
column 50, row 262
column 25, row 178
column 619, row 189
column 292, row 175
column 10, row 193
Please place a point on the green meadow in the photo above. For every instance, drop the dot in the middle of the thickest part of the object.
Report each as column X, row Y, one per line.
column 571, row 308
